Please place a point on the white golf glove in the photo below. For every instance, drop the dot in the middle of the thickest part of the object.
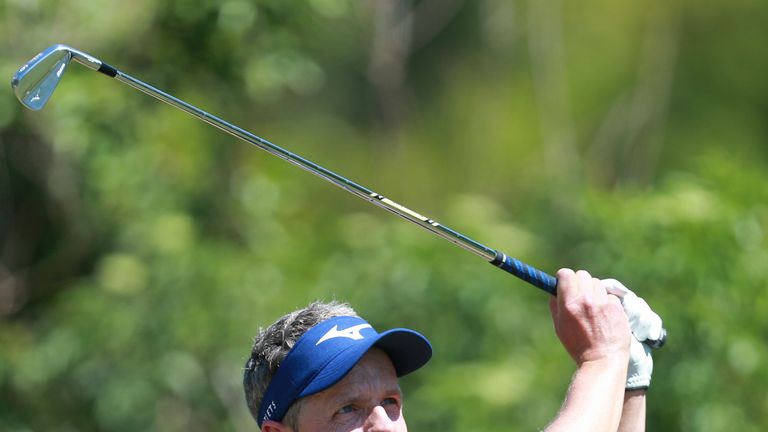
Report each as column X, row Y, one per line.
column 644, row 324
column 640, row 366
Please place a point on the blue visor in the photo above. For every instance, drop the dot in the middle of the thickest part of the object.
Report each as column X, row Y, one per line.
column 330, row 349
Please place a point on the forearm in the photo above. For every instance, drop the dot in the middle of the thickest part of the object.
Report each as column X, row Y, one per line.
column 633, row 413
column 594, row 399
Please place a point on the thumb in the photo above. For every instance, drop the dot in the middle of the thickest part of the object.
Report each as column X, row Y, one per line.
column 616, row 288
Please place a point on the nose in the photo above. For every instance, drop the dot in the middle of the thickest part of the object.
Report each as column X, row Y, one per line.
column 380, row 421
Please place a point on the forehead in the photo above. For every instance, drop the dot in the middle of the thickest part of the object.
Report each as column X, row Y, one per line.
column 373, row 374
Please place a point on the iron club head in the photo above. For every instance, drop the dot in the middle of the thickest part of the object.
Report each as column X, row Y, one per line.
column 35, row 82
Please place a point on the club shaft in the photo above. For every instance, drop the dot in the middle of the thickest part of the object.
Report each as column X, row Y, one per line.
column 524, row 271
column 338, row 180
column 455, row 237
column 513, row 266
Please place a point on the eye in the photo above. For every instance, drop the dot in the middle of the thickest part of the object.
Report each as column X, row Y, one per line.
column 389, row 401
column 347, row 409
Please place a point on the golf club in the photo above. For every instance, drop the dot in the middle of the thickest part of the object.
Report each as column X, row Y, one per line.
column 35, row 82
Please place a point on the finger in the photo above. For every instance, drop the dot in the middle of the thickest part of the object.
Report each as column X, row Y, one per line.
column 567, row 286
column 602, row 290
column 584, row 277
column 615, row 301
column 643, row 321
column 598, row 288
column 616, row 288
column 585, row 284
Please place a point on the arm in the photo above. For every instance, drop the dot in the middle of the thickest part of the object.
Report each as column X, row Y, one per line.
column 595, row 331
column 644, row 324
column 633, row 414
column 639, row 373
column 593, row 401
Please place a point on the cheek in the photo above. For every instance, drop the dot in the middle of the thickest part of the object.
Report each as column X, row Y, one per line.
column 348, row 422
column 314, row 419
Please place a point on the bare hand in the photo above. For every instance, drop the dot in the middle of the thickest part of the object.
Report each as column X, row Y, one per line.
column 590, row 323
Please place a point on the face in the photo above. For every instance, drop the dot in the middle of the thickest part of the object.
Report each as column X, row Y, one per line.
column 367, row 399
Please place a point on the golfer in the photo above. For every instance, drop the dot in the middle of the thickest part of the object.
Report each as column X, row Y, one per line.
column 324, row 369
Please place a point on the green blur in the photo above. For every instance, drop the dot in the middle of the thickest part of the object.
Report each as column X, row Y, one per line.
column 141, row 250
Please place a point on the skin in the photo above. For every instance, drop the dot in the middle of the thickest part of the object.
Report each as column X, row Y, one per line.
column 593, row 328
column 633, row 413
column 367, row 399
column 591, row 325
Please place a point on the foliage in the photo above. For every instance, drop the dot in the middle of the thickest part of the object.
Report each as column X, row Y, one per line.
column 142, row 250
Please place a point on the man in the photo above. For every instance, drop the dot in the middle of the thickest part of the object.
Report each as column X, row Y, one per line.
column 323, row 369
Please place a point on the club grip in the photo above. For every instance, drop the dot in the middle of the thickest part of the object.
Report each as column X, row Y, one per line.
column 548, row 283
column 525, row 272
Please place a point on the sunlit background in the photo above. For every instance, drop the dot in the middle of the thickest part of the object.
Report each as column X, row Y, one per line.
column 141, row 249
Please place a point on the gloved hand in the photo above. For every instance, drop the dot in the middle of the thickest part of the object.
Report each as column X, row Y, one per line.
column 644, row 324
column 640, row 366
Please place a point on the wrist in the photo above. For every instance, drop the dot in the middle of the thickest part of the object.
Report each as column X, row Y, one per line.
column 613, row 361
column 617, row 351
column 605, row 370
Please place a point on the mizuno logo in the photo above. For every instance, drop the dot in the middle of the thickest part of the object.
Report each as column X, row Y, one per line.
column 350, row 333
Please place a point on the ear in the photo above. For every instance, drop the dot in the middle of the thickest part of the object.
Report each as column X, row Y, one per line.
column 273, row 426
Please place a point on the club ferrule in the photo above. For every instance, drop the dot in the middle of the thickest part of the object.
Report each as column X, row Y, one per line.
column 107, row 70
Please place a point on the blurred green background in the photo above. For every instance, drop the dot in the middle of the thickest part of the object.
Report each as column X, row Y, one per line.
column 141, row 250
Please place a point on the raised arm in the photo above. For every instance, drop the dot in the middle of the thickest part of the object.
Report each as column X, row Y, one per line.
column 594, row 329
column 633, row 412
column 644, row 324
